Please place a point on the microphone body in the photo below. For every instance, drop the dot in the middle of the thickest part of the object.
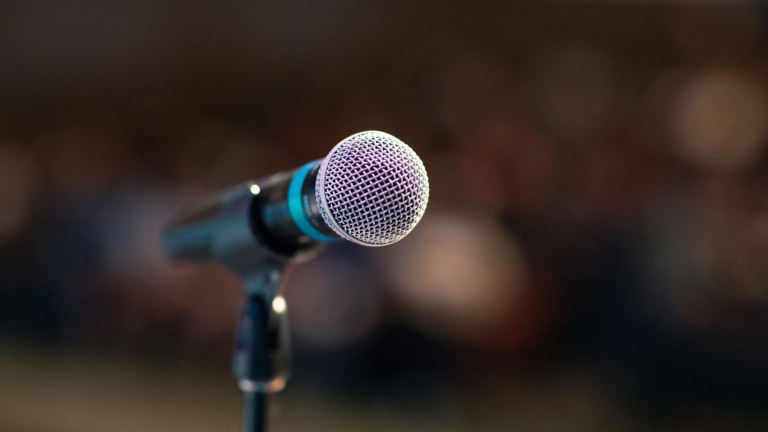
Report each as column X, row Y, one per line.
column 371, row 189
column 258, row 214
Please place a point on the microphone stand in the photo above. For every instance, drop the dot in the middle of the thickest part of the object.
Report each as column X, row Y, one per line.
column 260, row 361
column 221, row 229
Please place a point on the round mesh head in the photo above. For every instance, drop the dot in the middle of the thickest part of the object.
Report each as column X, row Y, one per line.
column 372, row 189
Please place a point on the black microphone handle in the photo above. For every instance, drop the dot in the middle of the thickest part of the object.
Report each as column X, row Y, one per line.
column 268, row 214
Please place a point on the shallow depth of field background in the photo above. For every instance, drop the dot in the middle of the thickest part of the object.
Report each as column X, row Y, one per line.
column 594, row 256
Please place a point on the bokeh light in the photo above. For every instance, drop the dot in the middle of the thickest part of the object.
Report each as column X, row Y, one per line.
column 722, row 119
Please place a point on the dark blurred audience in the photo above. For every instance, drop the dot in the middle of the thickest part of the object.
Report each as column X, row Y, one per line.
column 598, row 203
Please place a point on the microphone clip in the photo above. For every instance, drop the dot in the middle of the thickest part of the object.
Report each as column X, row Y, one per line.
column 261, row 358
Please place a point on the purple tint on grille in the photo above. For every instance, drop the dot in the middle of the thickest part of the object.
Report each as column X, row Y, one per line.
column 372, row 189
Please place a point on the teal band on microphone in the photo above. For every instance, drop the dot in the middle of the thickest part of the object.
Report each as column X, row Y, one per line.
column 296, row 208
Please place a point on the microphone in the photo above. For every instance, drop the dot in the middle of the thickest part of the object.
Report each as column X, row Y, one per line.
column 371, row 189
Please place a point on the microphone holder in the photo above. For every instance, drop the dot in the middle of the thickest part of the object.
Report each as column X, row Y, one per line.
column 260, row 361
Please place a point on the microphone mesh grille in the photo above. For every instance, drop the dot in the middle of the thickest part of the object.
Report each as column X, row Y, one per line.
column 372, row 189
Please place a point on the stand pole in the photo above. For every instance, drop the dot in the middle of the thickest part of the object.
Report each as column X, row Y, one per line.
column 260, row 358
column 255, row 411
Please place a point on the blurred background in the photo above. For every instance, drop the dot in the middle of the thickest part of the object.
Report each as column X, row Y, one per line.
column 594, row 255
